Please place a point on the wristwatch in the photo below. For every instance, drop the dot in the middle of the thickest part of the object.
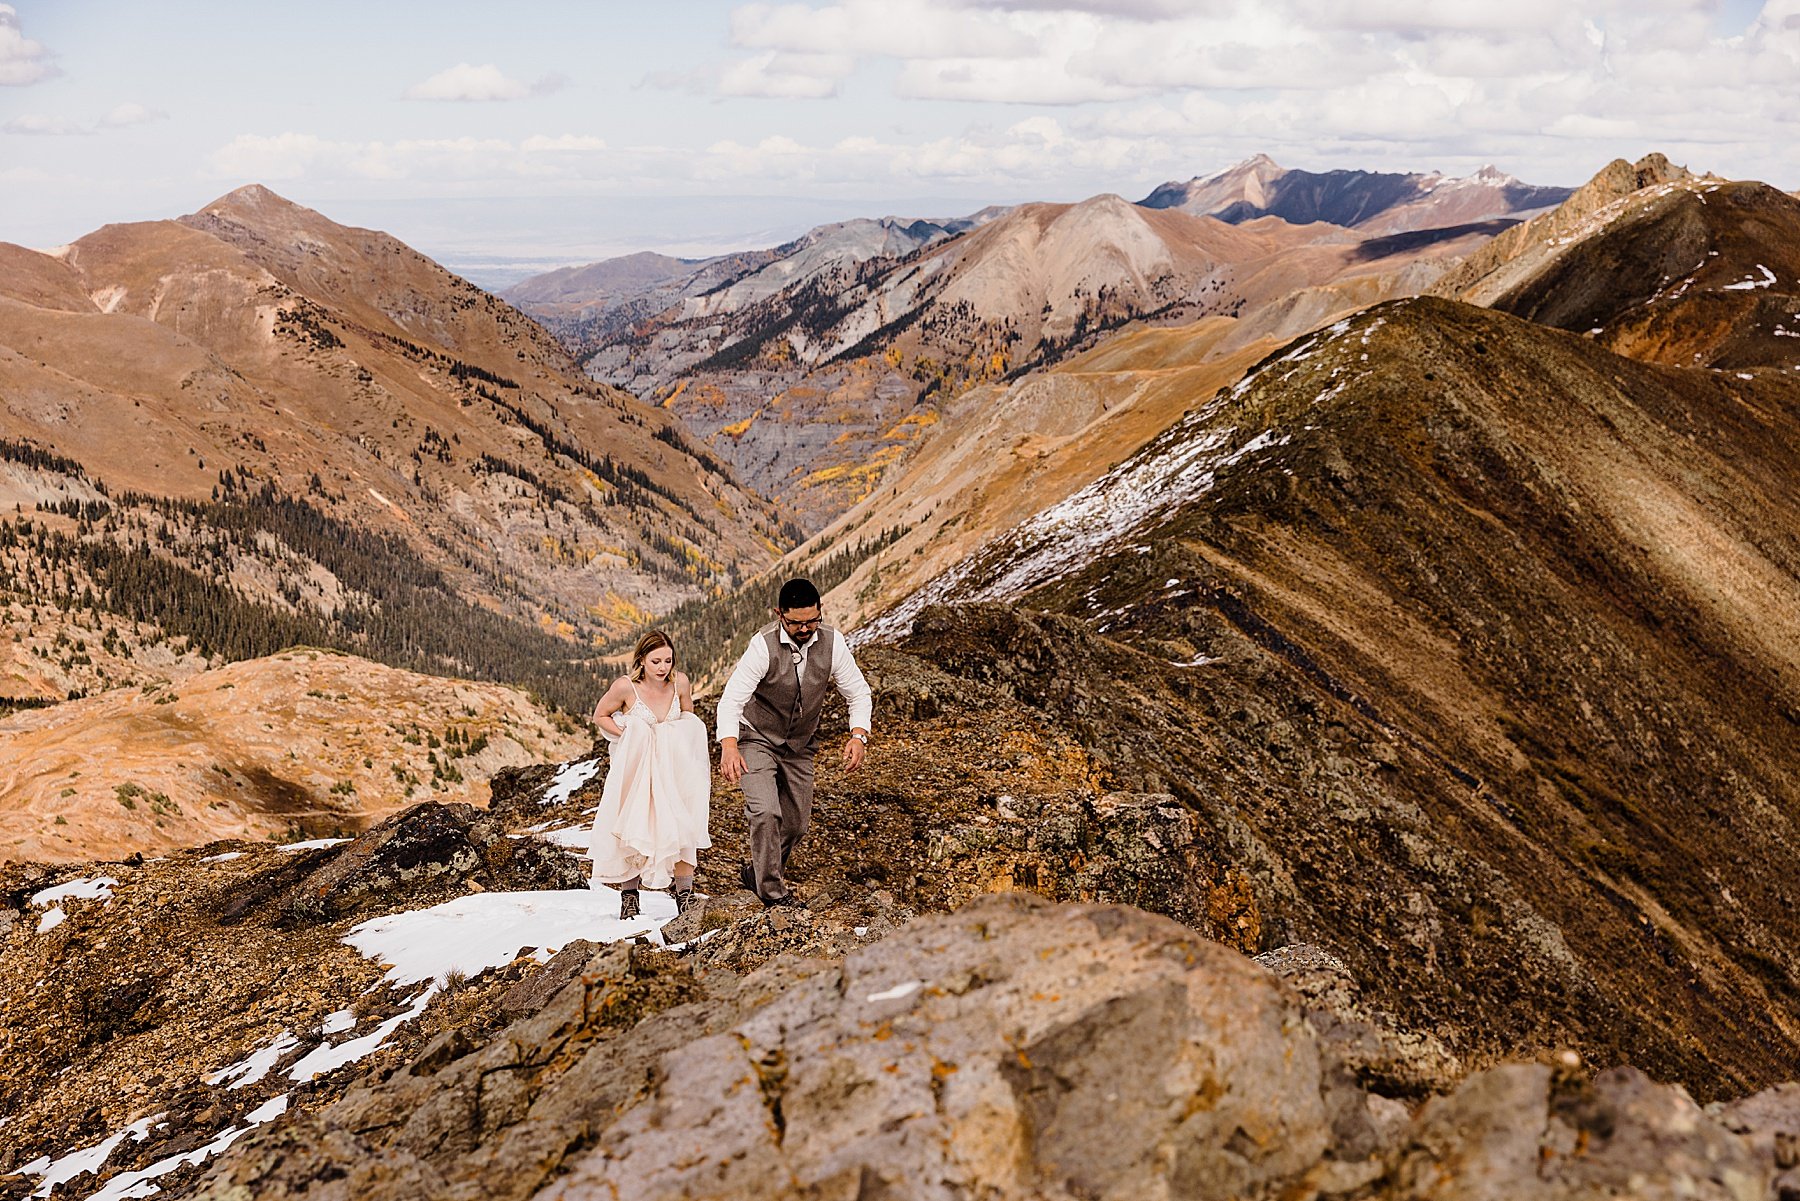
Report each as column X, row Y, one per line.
column 860, row 737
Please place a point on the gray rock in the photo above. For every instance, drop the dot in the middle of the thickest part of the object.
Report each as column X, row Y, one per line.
column 1013, row 1049
column 1367, row 1043
column 1771, row 1121
column 534, row 991
column 1525, row 1132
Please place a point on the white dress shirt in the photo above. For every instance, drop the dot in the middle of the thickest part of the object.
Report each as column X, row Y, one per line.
column 751, row 669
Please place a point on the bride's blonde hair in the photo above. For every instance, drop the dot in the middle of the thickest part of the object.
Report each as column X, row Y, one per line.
column 651, row 640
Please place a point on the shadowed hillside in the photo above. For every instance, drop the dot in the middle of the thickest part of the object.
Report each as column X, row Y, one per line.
column 1476, row 645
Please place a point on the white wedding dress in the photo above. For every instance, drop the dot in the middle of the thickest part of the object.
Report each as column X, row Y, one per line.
column 657, row 800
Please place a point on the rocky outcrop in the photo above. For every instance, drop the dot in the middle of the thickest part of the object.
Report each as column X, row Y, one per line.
column 422, row 854
column 1521, row 251
column 1134, row 849
column 1529, row 1132
column 1014, row 1050
column 996, row 1052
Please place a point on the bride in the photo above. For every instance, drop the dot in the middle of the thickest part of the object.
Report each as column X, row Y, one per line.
column 653, row 812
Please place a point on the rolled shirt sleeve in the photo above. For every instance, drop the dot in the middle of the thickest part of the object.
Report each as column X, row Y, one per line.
column 742, row 686
column 849, row 680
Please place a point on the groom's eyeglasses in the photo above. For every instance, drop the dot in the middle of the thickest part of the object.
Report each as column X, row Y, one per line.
column 810, row 624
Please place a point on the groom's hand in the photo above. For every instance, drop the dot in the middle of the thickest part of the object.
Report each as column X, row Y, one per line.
column 853, row 753
column 731, row 764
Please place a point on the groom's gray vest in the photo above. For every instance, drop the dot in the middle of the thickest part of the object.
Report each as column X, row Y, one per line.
column 785, row 707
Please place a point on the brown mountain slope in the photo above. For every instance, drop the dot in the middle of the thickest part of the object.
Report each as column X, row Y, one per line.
column 1706, row 275
column 1521, row 251
column 1658, row 264
column 257, row 345
column 307, row 742
column 1475, row 644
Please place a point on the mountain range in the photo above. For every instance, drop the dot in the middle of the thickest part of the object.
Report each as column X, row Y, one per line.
column 1428, row 632
column 811, row 370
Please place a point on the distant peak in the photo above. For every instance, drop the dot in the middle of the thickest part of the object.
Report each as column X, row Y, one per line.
column 252, row 194
column 1256, row 164
column 1488, row 176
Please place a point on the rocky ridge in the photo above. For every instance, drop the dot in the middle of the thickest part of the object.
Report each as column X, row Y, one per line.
column 1352, row 579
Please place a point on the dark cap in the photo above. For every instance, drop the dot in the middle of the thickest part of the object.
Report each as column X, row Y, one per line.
column 797, row 594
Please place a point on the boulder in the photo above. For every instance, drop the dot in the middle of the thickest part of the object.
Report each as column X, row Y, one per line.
column 1013, row 1049
column 422, row 854
column 1771, row 1121
column 515, row 794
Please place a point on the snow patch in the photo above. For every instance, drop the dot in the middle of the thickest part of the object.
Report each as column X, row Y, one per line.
column 97, row 889
column 51, row 1173
column 569, row 777
column 327, row 1057
column 1178, row 469
column 141, row 1182
column 51, row 920
column 1744, row 285
column 311, row 844
column 489, row 929
column 223, row 857
column 257, row 1064
column 580, row 838
column 897, row 992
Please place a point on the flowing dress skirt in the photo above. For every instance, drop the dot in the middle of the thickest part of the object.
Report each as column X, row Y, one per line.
column 655, row 806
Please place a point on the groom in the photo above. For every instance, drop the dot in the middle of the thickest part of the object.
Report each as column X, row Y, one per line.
column 768, row 727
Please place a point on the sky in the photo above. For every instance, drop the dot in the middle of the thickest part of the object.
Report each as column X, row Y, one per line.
column 508, row 139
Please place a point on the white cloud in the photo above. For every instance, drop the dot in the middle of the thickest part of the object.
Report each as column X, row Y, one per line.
column 1145, row 90
column 37, row 124
column 466, row 82
column 22, row 61
column 786, row 76
column 131, row 113
column 567, row 143
column 894, row 28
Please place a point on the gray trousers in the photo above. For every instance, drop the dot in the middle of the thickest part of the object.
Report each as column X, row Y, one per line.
column 778, row 797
